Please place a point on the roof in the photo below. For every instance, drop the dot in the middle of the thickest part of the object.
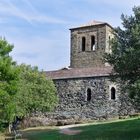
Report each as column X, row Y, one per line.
column 92, row 23
column 78, row 73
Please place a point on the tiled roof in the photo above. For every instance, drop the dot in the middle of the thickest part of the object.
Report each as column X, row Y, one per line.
column 78, row 73
column 92, row 23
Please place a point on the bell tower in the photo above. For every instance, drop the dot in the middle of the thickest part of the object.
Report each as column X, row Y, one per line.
column 89, row 43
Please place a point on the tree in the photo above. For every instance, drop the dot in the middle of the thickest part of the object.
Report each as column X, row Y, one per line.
column 8, row 81
column 125, row 56
column 35, row 92
column 23, row 89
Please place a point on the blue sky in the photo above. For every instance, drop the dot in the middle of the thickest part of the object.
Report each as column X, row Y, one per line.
column 39, row 29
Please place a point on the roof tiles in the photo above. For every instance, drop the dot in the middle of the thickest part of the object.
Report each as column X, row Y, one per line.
column 92, row 23
column 78, row 73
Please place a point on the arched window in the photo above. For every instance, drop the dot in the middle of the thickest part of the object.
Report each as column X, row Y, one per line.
column 88, row 94
column 93, row 43
column 113, row 93
column 83, row 44
column 109, row 38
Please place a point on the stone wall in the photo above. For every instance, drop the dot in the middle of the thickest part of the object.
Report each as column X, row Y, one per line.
column 89, row 58
column 73, row 99
column 73, row 106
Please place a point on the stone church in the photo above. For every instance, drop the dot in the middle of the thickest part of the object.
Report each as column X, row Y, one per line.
column 84, row 89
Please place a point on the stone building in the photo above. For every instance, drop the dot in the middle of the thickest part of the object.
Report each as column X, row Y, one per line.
column 84, row 89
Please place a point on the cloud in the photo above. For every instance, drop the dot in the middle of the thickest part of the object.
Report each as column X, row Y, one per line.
column 9, row 9
column 39, row 28
column 46, row 53
column 28, row 55
column 29, row 14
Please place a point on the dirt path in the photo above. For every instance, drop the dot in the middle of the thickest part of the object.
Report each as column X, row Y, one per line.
column 68, row 131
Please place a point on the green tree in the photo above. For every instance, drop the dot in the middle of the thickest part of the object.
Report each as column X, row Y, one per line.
column 125, row 56
column 23, row 89
column 8, row 81
column 35, row 92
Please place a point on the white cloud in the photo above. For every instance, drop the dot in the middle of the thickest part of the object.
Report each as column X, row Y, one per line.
column 47, row 54
column 30, row 14
column 49, row 47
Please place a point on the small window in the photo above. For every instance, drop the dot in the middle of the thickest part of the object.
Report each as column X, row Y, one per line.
column 113, row 93
column 83, row 44
column 93, row 43
column 88, row 94
column 109, row 43
column 109, row 38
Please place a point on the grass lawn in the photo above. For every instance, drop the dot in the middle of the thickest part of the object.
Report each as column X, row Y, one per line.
column 123, row 130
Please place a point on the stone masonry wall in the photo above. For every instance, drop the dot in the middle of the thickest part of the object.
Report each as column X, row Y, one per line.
column 74, row 107
column 73, row 99
column 88, row 58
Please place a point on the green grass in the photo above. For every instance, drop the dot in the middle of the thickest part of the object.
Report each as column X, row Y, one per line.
column 123, row 130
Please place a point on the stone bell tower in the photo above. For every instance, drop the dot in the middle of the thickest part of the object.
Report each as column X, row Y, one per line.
column 89, row 43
